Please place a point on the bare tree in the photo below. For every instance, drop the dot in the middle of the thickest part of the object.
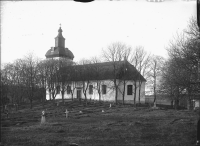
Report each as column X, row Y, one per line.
column 141, row 60
column 65, row 75
column 182, row 70
column 4, row 87
column 156, row 68
column 53, row 77
column 10, row 76
column 97, row 70
column 29, row 72
column 114, row 53
column 21, row 94
column 174, row 81
column 42, row 79
column 84, row 73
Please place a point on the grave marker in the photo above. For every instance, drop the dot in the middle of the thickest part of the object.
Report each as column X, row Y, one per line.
column 67, row 112
column 73, row 144
column 43, row 120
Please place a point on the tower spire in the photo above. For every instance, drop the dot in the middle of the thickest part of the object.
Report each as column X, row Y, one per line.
column 60, row 40
column 60, row 31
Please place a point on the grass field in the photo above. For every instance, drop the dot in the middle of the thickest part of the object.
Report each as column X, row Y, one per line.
column 116, row 126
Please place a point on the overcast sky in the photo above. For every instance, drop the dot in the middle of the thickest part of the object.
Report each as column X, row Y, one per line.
column 89, row 27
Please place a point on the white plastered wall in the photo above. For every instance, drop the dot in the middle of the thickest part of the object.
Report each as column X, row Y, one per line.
column 130, row 98
column 110, row 92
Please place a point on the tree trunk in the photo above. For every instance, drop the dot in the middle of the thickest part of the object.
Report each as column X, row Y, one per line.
column 85, row 98
column 99, row 90
column 124, row 91
column 177, row 99
column 116, row 92
column 176, row 104
column 43, row 98
column 99, row 95
column 172, row 105
column 135, row 90
column 154, row 90
column 154, row 101
column 72, row 94
column 139, row 92
column 54, row 96
column 62, row 92
column 31, row 97
column 190, row 100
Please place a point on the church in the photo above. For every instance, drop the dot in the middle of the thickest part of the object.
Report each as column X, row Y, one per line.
column 105, row 81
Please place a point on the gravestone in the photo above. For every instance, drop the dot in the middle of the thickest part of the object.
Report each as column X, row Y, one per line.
column 67, row 112
column 73, row 144
column 43, row 120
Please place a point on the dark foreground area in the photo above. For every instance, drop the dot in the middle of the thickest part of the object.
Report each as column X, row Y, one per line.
column 116, row 126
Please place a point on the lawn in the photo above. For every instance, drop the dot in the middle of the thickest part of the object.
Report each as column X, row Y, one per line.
column 118, row 125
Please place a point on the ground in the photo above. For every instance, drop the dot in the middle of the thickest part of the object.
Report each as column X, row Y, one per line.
column 118, row 125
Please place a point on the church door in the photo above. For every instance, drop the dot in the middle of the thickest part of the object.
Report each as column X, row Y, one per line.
column 78, row 94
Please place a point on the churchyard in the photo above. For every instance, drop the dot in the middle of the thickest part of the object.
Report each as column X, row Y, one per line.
column 98, row 124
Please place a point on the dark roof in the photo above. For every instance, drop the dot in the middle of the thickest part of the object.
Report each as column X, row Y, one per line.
column 59, row 52
column 101, row 71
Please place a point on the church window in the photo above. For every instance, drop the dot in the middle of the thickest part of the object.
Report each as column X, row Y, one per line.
column 90, row 89
column 103, row 89
column 68, row 89
column 129, row 89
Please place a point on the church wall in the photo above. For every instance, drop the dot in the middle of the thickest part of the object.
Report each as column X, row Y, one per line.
column 110, row 92
column 130, row 98
column 95, row 96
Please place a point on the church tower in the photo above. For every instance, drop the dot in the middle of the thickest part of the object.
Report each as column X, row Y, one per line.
column 59, row 51
column 60, row 40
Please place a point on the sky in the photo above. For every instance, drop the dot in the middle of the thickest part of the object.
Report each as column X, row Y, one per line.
column 31, row 26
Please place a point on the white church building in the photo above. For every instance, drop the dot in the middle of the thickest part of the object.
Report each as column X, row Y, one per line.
column 99, row 81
